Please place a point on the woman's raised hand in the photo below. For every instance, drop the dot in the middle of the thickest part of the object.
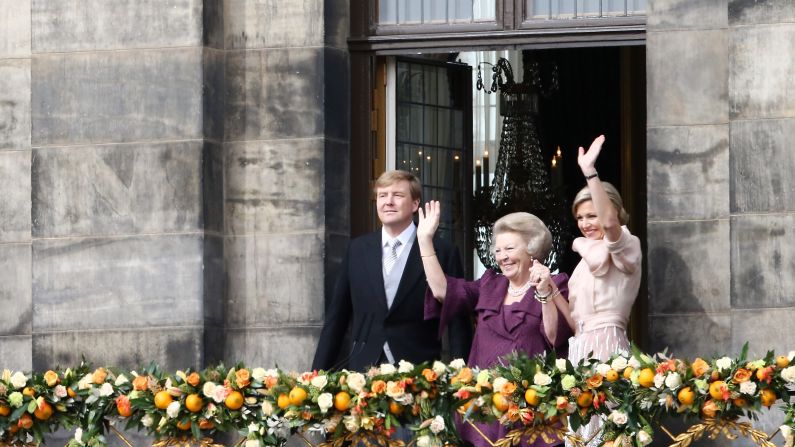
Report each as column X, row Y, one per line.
column 429, row 220
column 540, row 277
column 587, row 160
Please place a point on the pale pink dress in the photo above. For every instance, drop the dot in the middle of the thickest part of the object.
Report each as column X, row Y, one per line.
column 602, row 290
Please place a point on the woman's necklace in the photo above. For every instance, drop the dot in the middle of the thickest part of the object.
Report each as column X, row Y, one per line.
column 520, row 291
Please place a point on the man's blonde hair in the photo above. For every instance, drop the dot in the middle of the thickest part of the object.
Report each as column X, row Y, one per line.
column 389, row 178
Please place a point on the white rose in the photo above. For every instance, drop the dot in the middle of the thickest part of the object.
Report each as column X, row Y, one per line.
column 633, row 362
column 644, row 437
column 253, row 428
column 659, row 380
column 208, row 389
column 603, row 368
column 106, row 390
column 219, row 394
column 253, row 443
column 121, row 380
column 786, row 430
column 405, row 367
column 541, row 379
column 560, row 364
column 19, row 380
column 439, row 367
column 173, row 409
column 788, row 374
column 60, row 391
column 356, row 382
column 387, row 368
column 748, row 388
column 499, row 384
column 618, row 417
column 351, row 423
column 723, row 363
column 424, row 441
column 458, row 364
column 267, row 408
column 437, row 425
column 319, row 382
column 325, row 401
column 673, row 381
column 258, row 374
column 147, row 420
column 791, row 356
column 79, row 435
column 619, row 364
column 85, row 382
column 211, row 409
column 571, row 408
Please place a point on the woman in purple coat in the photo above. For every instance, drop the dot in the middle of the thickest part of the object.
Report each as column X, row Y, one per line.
column 524, row 308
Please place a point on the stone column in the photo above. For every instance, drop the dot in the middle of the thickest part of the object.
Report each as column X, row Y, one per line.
column 278, row 80
column 117, row 223
column 15, row 157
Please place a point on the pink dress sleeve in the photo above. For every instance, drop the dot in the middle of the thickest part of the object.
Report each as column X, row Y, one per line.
column 598, row 254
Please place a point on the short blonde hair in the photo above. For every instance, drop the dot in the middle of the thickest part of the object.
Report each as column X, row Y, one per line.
column 612, row 193
column 530, row 228
column 389, row 178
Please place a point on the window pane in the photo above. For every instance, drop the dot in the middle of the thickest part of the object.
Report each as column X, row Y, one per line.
column 614, row 7
column 396, row 12
column 588, row 8
column 563, row 8
column 484, row 10
column 434, row 11
column 540, row 9
column 409, row 11
column 573, row 9
column 387, row 11
column 637, row 6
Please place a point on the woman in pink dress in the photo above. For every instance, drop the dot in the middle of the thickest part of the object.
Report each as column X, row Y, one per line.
column 605, row 283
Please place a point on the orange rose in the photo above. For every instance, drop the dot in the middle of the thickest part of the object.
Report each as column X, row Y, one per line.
column 242, row 378
column 594, row 381
column 465, row 375
column 271, row 381
column 51, row 377
column 709, row 409
column 700, row 367
column 204, row 424
column 513, row 413
column 99, row 376
column 379, row 386
column 742, row 375
column 508, row 388
column 194, row 379
column 430, row 375
column 140, row 383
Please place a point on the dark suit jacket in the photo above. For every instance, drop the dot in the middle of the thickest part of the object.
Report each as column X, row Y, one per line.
column 359, row 299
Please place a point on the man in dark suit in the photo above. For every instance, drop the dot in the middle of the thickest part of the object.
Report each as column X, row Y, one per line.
column 381, row 286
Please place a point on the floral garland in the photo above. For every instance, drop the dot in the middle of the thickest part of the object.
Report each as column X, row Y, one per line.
column 538, row 396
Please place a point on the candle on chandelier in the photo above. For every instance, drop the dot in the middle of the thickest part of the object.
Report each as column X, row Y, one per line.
column 486, row 179
column 477, row 175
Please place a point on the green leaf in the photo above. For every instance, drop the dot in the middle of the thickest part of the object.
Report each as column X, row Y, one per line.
column 32, row 406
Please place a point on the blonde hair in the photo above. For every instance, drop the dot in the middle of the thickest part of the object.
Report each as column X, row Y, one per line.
column 530, row 228
column 612, row 193
column 389, row 178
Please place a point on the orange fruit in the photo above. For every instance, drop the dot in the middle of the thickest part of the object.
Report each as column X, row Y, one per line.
column 716, row 389
column 585, row 399
column 342, row 401
column 234, row 400
column 646, row 377
column 686, row 396
column 204, row 424
column 531, row 397
column 782, row 361
column 124, row 411
column 768, row 397
column 25, row 421
column 628, row 372
column 611, row 375
column 463, row 408
column 395, row 408
column 297, row 396
column 739, row 402
column 163, row 399
column 194, row 403
column 28, row 391
column 500, row 402
column 283, row 401
column 70, row 392
column 184, row 425
column 43, row 411
column 5, row 410
column 761, row 373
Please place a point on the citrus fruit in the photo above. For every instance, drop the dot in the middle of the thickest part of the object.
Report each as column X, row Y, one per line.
column 193, row 403
column 234, row 400
column 43, row 411
column 646, row 377
column 204, row 424
column 163, row 399
column 470, row 403
column 628, row 372
column 762, row 373
column 531, row 397
column 342, row 401
column 768, row 397
column 611, row 375
column 184, row 425
column 124, row 411
column 297, row 396
column 739, row 402
column 28, row 391
column 716, row 389
column 5, row 410
column 70, row 392
column 395, row 408
column 782, row 361
column 283, row 401
column 585, row 399
column 686, row 396
column 500, row 402
column 25, row 421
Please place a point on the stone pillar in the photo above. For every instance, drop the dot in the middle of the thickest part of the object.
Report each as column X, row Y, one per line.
column 278, row 78
column 116, row 175
column 15, row 158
